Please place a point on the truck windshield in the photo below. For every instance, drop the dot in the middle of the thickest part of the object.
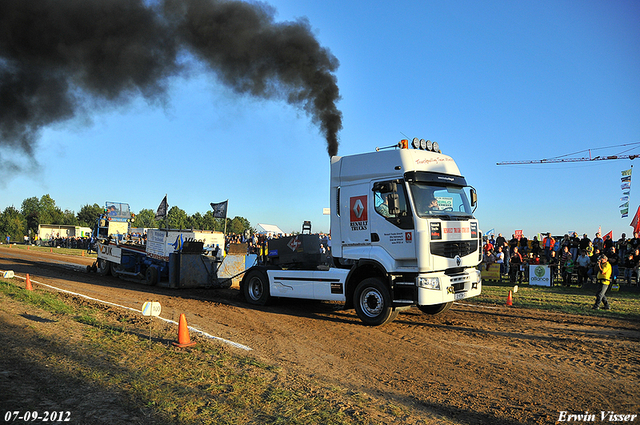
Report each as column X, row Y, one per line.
column 438, row 200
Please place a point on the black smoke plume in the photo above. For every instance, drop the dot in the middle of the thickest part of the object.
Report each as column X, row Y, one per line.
column 58, row 56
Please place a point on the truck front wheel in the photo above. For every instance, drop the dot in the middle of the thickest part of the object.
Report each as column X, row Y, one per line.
column 256, row 288
column 373, row 302
column 436, row 308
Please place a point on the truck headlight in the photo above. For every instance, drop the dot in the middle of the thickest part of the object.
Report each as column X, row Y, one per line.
column 429, row 282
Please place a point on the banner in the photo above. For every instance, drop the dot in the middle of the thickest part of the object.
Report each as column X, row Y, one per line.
column 626, row 190
column 539, row 275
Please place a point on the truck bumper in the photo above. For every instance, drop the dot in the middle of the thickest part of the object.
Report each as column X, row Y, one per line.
column 439, row 288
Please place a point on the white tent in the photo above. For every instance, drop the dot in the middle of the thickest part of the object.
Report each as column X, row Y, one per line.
column 269, row 229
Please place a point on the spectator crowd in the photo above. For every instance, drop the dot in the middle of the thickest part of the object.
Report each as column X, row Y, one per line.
column 568, row 256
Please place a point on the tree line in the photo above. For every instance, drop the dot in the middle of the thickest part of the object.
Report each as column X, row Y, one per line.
column 16, row 223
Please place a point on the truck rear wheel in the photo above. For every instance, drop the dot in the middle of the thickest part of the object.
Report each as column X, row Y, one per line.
column 373, row 302
column 435, row 309
column 256, row 288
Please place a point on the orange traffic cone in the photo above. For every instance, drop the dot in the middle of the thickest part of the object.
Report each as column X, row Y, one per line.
column 183, row 334
column 509, row 299
column 29, row 287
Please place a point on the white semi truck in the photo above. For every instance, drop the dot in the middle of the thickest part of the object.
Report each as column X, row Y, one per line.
column 402, row 234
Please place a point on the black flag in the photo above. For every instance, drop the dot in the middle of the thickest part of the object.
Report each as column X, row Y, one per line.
column 220, row 209
column 162, row 209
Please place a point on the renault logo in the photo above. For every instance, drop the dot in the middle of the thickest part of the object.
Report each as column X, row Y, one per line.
column 458, row 260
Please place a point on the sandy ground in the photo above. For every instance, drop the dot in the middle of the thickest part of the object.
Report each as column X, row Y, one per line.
column 472, row 365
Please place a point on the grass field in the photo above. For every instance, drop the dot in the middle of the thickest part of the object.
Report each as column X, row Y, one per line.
column 573, row 300
column 55, row 250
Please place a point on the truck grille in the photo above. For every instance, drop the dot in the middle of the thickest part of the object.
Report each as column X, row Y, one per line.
column 451, row 249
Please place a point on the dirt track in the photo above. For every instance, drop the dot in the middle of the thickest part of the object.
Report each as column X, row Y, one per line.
column 472, row 365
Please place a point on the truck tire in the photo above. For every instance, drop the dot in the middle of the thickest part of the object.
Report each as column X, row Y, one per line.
column 373, row 302
column 151, row 276
column 435, row 309
column 256, row 288
column 103, row 267
column 115, row 268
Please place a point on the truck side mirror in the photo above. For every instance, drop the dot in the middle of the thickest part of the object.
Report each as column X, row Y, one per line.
column 385, row 187
column 474, row 197
column 392, row 199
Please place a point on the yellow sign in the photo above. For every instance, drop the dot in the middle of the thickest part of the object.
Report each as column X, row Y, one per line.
column 151, row 308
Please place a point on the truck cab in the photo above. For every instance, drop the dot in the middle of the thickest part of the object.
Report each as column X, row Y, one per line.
column 405, row 217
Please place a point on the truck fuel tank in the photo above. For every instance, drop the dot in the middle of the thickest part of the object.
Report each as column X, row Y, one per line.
column 296, row 251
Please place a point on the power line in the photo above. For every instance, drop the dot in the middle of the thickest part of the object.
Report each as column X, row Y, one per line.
column 563, row 158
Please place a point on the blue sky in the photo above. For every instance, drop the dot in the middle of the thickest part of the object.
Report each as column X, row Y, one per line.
column 490, row 81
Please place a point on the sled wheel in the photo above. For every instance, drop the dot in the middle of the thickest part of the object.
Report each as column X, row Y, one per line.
column 102, row 267
column 151, row 276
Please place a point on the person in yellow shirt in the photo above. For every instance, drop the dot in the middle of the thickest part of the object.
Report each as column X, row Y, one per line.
column 604, row 279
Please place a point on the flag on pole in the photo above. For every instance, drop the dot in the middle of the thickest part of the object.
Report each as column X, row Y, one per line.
column 220, row 209
column 626, row 173
column 161, row 212
column 635, row 223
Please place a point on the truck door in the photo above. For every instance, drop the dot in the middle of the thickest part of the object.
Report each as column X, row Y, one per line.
column 392, row 228
column 354, row 221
